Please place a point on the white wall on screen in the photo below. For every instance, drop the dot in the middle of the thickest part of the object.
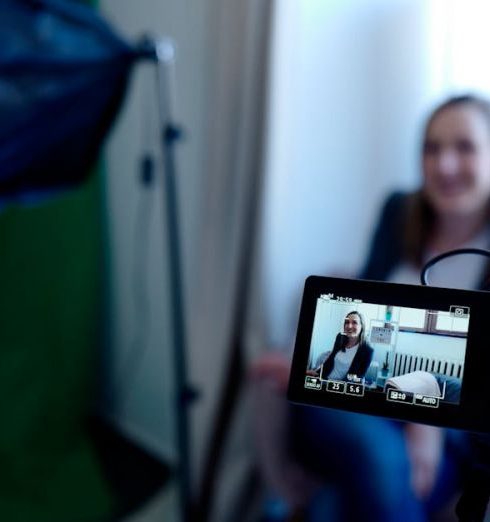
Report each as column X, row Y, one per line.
column 329, row 320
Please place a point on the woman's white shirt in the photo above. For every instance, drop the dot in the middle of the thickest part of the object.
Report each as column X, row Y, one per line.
column 463, row 271
column 342, row 362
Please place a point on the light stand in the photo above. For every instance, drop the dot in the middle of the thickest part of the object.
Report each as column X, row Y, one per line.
column 170, row 134
column 163, row 52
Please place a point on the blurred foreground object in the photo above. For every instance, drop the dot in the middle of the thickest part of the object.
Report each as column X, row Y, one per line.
column 63, row 74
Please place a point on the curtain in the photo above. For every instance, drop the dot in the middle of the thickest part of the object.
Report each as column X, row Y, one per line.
column 228, row 238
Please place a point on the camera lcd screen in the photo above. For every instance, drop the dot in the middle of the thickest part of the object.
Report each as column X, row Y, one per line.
column 407, row 352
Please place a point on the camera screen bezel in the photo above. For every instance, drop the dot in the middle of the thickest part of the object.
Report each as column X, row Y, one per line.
column 472, row 411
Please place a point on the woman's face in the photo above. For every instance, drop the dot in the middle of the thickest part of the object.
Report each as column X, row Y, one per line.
column 456, row 161
column 352, row 325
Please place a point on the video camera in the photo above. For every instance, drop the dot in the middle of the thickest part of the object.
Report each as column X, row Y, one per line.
column 422, row 355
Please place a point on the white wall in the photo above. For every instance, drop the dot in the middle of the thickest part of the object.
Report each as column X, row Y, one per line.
column 437, row 346
column 352, row 82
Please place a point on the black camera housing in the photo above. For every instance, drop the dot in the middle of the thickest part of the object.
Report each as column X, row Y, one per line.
column 467, row 373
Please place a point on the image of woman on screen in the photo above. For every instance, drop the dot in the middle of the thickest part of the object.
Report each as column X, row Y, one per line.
column 351, row 355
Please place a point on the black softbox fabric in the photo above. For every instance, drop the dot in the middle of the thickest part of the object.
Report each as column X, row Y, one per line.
column 63, row 74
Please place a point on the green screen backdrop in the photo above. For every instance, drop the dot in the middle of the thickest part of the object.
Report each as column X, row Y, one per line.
column 50, row 275
column 50, row 308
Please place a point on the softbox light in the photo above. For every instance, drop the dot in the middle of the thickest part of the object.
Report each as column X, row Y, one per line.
column 63, row 74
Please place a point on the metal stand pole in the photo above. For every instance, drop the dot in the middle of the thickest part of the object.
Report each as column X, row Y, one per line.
column 165, row 54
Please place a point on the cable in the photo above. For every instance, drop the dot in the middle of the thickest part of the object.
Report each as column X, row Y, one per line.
column 138, row 346
column 140, row 337
column 450, row 253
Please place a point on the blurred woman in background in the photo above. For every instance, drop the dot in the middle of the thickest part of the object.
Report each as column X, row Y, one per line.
column 451, row 210
column 345, row 466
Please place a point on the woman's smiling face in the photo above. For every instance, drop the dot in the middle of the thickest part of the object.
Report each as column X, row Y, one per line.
column 352, row 326
column 456, row 161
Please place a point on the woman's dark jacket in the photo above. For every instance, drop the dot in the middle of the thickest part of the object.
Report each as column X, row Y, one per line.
column 386, row 249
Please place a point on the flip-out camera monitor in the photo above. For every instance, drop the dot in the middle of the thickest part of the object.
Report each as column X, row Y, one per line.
column 407, row 352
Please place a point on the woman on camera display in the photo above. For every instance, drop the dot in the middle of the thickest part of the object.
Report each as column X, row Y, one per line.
column 403, row 471
column 351, row 355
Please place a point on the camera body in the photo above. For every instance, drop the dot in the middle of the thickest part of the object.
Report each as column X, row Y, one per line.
column 417, row 353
